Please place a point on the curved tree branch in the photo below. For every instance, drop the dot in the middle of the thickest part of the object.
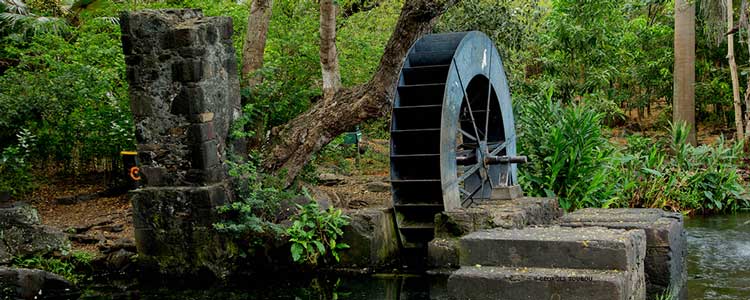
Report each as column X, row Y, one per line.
column 291, row 146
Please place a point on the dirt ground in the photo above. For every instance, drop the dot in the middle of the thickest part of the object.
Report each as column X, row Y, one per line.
column 92, row 223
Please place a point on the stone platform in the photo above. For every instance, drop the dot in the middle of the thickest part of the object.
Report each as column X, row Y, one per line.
column 551, row 263
column 479, row 283
column 509, row 214
column 527, row 249
column 666, row 245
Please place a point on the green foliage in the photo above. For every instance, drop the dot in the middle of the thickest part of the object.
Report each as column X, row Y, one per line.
column 14, row 165
column 291, row 70
column 69, row 267
column 512, row 25
column 255, row 214
column 573, row 160
column 668, row 294
column 701, row 179
column 568, row 152
column 615, row 56
column 19, row 20
column 315, row 232
column 70, row 94
column 338, row 155
column 581, row 39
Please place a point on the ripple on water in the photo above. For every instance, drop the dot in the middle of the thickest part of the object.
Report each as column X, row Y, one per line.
column 719, row 257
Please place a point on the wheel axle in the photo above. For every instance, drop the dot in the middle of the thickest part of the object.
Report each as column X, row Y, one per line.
column 491, row 160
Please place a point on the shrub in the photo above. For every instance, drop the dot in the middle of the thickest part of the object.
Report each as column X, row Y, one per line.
column 255, row 213
column 569, row 154
column 315, row 233
column 14, row 165
column 572, row 159
column 69, row 267
column 70, row 94
column 700, row 179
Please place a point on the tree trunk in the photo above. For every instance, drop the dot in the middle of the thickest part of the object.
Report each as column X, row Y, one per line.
column 733, row 70
column 684, row 65
column 744, row 7
column 291, row 145
column 255, row 40
column 329, row 60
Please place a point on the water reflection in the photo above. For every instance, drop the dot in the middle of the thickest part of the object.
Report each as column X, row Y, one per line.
column 379, row 287
column 719, row 257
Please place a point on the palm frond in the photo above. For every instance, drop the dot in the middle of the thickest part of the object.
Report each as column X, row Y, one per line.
column 14, row 7
column 11, row 21
column 42, row 25
column 113, row 20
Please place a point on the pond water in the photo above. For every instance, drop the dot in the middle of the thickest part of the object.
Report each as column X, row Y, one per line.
column 719, row 257
column 718, row 265
column 379, row 287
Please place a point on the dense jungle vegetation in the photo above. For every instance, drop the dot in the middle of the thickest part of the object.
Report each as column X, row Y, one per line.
column 591, row 83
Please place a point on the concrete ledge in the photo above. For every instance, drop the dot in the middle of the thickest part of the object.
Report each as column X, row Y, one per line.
column 371, row 236
column 554, row 247
column 443, row 253
column 507, row 214
column 665, row 261
column 479, row 283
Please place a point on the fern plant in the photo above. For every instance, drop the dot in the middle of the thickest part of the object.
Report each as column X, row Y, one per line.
column 17, row 18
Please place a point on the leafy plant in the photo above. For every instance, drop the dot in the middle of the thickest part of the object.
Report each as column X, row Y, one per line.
column 692, row 179
column 66, row 267
column 668, row 294
column 573, row 160
column 70, row 94
column 14, row 165
column 568, row 152
column 255, row 213
column 315, row 233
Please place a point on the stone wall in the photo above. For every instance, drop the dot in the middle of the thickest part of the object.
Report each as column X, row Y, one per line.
column 184, row 92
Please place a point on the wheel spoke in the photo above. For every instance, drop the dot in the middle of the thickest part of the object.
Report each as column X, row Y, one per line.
column 483, row 190
column 467, row 153
column 468, row 135
column 468, row 103
column 468, row 172
column 501, row 146
column 489, row 177
column 471, row 195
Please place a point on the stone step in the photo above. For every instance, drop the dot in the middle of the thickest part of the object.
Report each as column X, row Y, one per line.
column 665, row 261
column 478, row 283
column 594, row 248
column 508, row 214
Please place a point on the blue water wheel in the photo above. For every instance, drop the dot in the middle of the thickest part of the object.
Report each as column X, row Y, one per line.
column 452, row 131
